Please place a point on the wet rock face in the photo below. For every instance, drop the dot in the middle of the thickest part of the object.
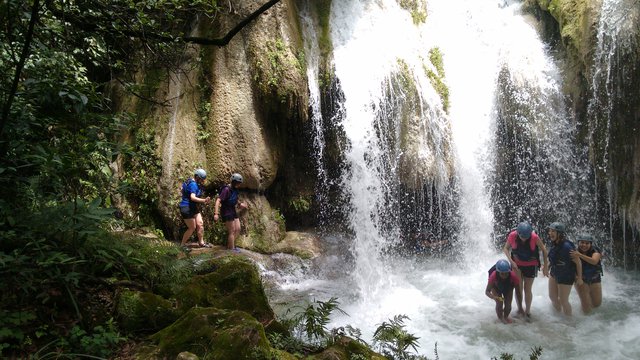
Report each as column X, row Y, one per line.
column 238, row 108
column 601, row 78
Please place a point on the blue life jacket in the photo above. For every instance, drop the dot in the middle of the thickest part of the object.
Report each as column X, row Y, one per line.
column 589, row 270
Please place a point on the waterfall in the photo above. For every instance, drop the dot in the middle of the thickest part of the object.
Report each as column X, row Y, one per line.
column 395, row 127
column 614, row 78
column 500, row 148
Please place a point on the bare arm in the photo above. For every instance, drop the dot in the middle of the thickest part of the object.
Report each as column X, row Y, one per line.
column 488, row 292
column 216, row 209
column 506, row 249
column 593, row 260
column 545, row 255
column 578, row 263
column 194, row 198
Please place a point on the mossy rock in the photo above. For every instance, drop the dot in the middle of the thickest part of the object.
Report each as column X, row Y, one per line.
column 346, row 348
column 214, row 333
column 234, row 285
column 144, row 311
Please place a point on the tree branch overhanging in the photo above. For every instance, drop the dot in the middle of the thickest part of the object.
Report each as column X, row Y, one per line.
column 92, row 25
column 23, row 58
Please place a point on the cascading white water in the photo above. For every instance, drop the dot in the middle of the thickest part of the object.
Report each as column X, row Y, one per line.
column 617, row 28
column 370, row 39
column 445, row 299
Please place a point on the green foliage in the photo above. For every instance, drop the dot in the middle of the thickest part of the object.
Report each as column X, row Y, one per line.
column 308, row 328
column 437, row 78
column 143, row 168
column 417, row 8
column 300, row 204
column 11, row 324
column 393, row 340
column 535, row 354
column 99, row 342
column 315, row 317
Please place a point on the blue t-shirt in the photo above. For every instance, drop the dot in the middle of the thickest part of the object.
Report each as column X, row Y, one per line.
column 190, row 187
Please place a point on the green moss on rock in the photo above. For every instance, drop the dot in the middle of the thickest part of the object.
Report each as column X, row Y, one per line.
column 215, row 334
column 234, row 285
column 346, row 348
column 417, row 8
column 143, row 311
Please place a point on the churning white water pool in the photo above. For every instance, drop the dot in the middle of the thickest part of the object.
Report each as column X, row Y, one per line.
column 445, row 303
column 444, row 299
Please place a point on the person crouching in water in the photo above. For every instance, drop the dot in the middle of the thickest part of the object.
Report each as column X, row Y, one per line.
column 564, row 269
column 500, row 287
column 590, row 291
column 226, row 205
column 522, row 249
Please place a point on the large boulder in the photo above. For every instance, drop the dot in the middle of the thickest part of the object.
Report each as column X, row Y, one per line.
column 214, row 333
column 234, row 284
column 144, row 311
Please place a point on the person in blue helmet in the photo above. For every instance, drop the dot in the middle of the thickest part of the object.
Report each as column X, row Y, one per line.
column 226, row 206
column 502, row 281
column 565, row 270
column 590, row 256
column 522, row 248
column 192, row 197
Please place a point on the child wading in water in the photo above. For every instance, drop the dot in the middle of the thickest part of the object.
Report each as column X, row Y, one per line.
column 502, row 281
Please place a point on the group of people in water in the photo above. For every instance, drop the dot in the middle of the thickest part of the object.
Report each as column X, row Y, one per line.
column 226, row 208
column 564, row 264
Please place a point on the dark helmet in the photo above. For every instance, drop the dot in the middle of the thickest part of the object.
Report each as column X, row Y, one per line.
column 503, row 266
column 200, row 173
column 236, row 177
column 584, row 237
column 558, row 226
column 524, row 230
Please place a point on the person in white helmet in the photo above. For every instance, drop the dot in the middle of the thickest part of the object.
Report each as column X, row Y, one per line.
column 192, row 193
column 225, row 208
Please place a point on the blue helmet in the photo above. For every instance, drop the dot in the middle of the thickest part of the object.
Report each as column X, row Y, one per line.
column 200, row 173
column 524, row 229
column 584, row 237
column 558, row 226
column 503, row 266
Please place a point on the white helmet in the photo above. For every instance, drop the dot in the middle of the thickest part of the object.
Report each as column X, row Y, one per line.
column 200, row 173
column 236, row 177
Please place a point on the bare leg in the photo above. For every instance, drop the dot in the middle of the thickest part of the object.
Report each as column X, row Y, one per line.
column 596, row 294
column 508, row 297
column 233, row 229
column 528, row 295
column 553, row 293
column 563, row 294
column 200, row 229
column 191, row 226
column 519, row 290
column 231, row 234
column 585, row 297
